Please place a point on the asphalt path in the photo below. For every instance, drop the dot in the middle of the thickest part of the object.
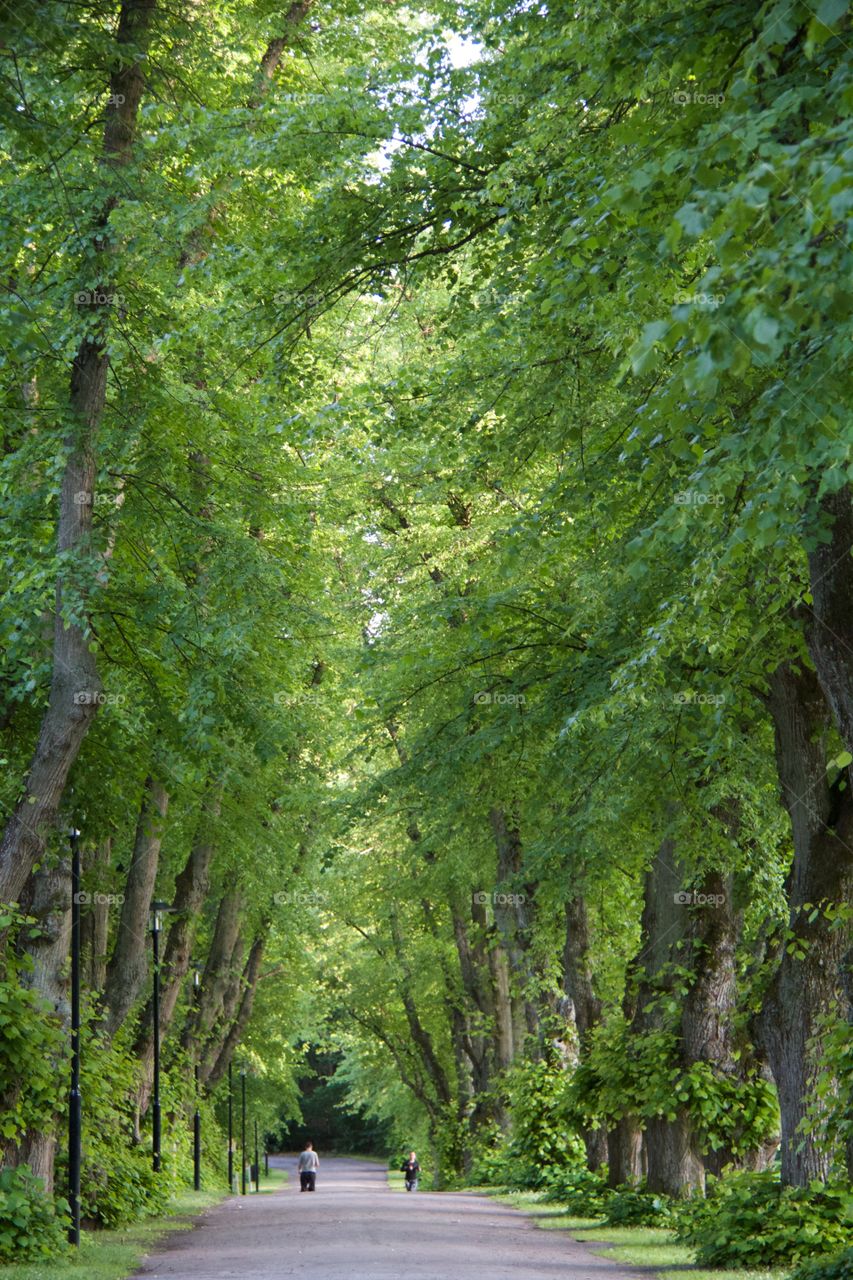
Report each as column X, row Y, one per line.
column 354, row 1227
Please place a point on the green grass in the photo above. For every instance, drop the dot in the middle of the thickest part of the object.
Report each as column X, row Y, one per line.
column 276, row 1180
column 113, row 1255
column 650, row 1247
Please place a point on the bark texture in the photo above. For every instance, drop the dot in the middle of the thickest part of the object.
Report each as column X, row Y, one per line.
column 586, row 1006
column 830, row 630
column 807, row 981
column 234, row 1035
column 75, row 685
column 513, row 924
column 674, row 1159
column 48, row 900
column 190, row 893
column 217, row 971
column 95, row 922
column 128, row 967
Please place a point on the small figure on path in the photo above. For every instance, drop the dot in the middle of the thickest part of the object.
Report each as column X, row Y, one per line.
column 411, row 1169
column 307, row 1166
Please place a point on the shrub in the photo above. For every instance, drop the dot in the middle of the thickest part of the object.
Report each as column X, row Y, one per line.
column 31, row 1038
column 542, row 1137
column 750, row 1220
column 581, row 1191
column 634, row 1207
column 838, row 1267
column 119, row 1186
column 31, row 1225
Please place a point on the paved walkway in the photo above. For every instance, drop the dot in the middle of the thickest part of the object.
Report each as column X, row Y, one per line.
column 354, row 1228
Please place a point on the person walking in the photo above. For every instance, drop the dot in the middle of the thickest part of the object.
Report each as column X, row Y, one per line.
column 411, row 1169
column 307, row 1166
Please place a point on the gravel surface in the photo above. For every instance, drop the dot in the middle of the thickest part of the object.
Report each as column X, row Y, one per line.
column 355, row 1228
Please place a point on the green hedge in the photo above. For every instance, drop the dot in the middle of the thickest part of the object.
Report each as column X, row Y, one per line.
column 750, row 1220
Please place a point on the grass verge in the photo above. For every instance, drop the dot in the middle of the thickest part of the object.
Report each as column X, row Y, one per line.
column 274, row 1182
column 654, row 1248
column 114, row 1255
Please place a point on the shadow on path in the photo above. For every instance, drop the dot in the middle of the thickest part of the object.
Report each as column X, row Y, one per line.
column 355, row 1228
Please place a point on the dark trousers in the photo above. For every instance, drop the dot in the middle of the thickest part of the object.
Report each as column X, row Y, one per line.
column 307, row 1181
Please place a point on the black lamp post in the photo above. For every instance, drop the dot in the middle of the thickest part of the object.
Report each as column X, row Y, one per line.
column 157, row 909
column 243, row 1137
column 230, row 1129
column 197, row 1116
column 257, row 1159
column 75, row 1101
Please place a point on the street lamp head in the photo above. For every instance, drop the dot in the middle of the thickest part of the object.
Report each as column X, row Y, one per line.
column 74, row 834
column 156, row 909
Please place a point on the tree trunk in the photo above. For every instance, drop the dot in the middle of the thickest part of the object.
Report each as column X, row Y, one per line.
column 190, row 893
column 48, row 900
column 674, row 1158
column 217, row 970
column 674, row 1162
column 128, row 967
column 513, row 924
column 807, row 979
column 95, row 923
column 479, row 1043
column 459, row 1026
column 421, row 1038
column 586, row 1006
column 231, row 998
column 504, row 1028
column 235, row 1032
column 624, row 1152
column 830, row 633
column 75, row 685
column 847, row 983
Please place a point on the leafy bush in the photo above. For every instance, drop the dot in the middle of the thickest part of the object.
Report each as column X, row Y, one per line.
column 634, row 1207
column 542, row 1138
column 582, row 1192
column 542, row 1142
column 31, row 1039
column 118, row 1184
column 31, row 1225
column 829, row 1114
column 489, row 1166
column 750, row 1220
column 838, row 1267
column 641, row 1075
